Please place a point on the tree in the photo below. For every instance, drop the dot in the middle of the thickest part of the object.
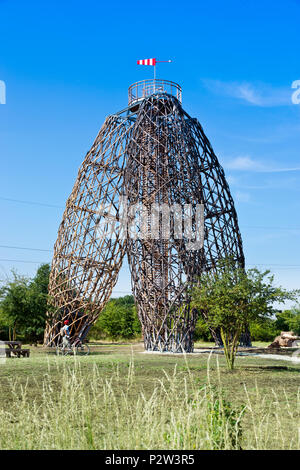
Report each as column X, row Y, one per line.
column 23, row 305
column 202, row 331
column 288, row 320
column 118, row 320
column 37, row 297
column 13, row 304
column 231, row 298
column 264, row 330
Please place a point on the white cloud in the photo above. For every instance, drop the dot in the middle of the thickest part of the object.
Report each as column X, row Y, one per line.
column 280, row 170
column 245, row 163
column 279, row 133
column 242, row 196
column 259, row 94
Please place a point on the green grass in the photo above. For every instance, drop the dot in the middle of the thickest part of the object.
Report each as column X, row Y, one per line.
column 121, row 398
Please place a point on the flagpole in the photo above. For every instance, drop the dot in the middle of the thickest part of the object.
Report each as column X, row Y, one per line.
column 148, row 62
column 155, row 70
column 156, row 62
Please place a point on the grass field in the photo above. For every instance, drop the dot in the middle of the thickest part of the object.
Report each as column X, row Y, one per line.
column 122, row 398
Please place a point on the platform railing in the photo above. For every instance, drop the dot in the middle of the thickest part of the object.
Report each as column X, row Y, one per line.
column 140, row 90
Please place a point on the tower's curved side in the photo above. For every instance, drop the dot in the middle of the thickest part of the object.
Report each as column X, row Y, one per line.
column 222, row 234
column 171, row 167
column 88, row 252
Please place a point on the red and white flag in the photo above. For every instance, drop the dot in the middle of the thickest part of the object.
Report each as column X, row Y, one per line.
column 146, row 62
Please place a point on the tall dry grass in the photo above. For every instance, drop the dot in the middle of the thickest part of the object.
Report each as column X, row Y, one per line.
column 110, row 414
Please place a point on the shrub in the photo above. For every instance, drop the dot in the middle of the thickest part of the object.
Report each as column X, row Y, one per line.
column 118, row 320
column 263, row 331
column 288, row 320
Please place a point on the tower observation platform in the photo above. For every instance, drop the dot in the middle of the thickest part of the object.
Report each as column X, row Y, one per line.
column 140, row 90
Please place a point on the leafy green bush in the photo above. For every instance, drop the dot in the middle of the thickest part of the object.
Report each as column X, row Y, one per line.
column 263, row 331
column 289, row 320
column 267, row 330
column 118, row 320
column 23, row 306
column 202, row 331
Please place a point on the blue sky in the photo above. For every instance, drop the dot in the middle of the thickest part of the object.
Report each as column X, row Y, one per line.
column 68, row 64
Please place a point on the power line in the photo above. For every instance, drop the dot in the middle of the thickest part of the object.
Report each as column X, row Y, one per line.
column 279, row 266
column 24, row 248
column 30, row 202
column 270, row 228
column 50, row 251
column 24, row 261
column 272, row 264
column 62, row 207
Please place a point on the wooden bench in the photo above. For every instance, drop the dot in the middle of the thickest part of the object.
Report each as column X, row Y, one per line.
column 14, row 349
column 17, row 352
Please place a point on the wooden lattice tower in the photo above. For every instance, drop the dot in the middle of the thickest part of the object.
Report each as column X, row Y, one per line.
column 151, row 155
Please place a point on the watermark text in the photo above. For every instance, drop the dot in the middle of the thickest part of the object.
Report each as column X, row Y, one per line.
column 152, row 222
column 2, row 92
column 296, row 94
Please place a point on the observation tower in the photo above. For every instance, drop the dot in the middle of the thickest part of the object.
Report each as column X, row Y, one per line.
column 150, row 188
